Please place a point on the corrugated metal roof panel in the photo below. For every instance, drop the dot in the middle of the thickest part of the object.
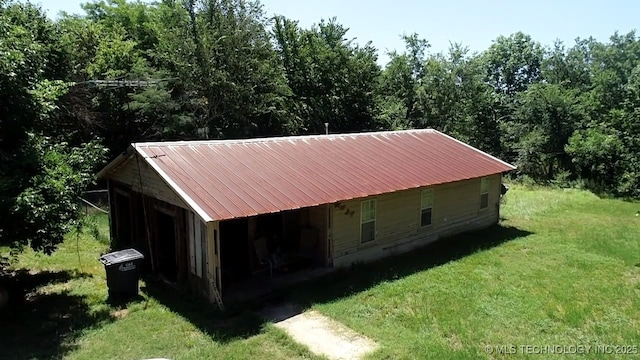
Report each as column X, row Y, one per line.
column 227, row 179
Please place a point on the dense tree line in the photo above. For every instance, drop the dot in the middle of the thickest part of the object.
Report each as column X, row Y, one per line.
column 566, row 114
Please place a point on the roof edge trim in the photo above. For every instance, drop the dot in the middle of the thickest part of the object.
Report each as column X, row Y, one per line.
column 276, row 138
column 187, row 199
column 122, row 158
column 513, row 167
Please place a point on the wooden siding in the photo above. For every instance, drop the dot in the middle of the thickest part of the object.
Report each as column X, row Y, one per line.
column 456, row 208
column 197, row 244
column 214, row 272
column 146, row 181
column 205, row 264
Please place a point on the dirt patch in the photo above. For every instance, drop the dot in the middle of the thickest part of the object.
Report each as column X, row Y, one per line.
column 324, row 336
column 120, row 314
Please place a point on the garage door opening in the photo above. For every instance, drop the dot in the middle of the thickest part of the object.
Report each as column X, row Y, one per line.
column 123, row 220
column 166, row 246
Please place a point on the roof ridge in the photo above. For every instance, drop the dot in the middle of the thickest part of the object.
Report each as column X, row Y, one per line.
column 278, row 138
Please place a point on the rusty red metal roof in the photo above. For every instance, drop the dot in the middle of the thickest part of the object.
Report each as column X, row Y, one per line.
column 225, row 179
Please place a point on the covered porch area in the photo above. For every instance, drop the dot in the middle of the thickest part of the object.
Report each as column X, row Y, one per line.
column 265, row 253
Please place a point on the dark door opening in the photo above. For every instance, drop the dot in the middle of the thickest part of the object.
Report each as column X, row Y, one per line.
column 267, row 245
column 140, row 237
column 290, row 236
column 267, row 252
column 123, row 221
column 166, row 237
column 234, row 247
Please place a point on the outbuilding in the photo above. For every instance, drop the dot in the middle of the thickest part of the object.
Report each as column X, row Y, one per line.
column 232, row 217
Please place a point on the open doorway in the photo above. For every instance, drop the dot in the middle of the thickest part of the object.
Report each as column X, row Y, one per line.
column 269, row 245
column 139, row 219
column 235, row 250
column 166, row 246
column 123, row 220
column 267, row 252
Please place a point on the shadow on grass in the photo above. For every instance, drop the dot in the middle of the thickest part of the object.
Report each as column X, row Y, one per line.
column 362, row 277
column 243, row 320
column 43, row 325
column 223, row 327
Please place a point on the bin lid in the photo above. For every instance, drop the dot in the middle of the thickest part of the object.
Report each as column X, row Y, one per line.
column 121, row 256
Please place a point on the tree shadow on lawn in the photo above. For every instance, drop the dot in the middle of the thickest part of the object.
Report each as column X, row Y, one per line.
column 346, row 282
column 43, row 325
column 222, row 327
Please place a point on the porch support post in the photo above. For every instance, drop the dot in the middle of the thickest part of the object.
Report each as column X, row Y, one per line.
column 214, row 275
column 112, row 212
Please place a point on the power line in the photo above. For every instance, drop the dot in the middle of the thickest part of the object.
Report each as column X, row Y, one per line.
column 117, row 83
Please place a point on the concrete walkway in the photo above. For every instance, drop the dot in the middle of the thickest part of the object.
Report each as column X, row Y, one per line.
column 322, row 335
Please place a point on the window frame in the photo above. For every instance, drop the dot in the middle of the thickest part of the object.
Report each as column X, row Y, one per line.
column 374, row 220
column 484, row 191
column 423, row 207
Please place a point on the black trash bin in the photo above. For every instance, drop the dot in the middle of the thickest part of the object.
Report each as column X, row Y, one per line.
column 123, row 271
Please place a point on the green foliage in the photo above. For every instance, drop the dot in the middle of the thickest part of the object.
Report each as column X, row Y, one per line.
column 391, row 114
column 565, row 114
column 116, row 57
column 40, row 177
column 229, row 71
column 544, row 118
column 400, row 81
column 597, row 154
column 331, row 79
column 48, row 206
column 513, row 63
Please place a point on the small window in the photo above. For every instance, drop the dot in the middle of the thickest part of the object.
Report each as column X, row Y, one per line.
column 368, row 220
column 484, row 193
column 426, row 207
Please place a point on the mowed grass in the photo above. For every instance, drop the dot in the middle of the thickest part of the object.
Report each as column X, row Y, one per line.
column 572, row 277
column 66, row 314
column 561, row 269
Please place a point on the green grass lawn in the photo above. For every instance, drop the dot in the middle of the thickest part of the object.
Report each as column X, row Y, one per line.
column 561, row 269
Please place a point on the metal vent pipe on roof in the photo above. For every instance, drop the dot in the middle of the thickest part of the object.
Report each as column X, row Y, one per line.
column 326, row 128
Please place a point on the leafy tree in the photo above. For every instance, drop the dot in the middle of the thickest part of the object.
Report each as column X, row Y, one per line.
column 119, row 41
column 611, row 102
column 454, row 98
column 544, row 120
column 331, row 79
column 402, row 77
column 228, row 69
column 53, row 176
column 40, row 177
column 568, row 68
column 597, row 154
column 513, row 63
